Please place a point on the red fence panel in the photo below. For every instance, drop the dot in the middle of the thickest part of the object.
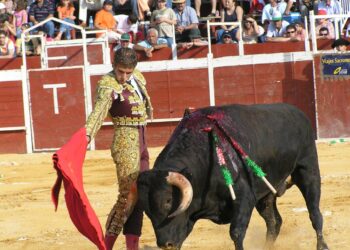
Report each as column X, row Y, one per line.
column 58, row 106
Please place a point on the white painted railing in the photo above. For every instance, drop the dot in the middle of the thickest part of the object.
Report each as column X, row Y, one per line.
column 313, row 21
column 345, row 9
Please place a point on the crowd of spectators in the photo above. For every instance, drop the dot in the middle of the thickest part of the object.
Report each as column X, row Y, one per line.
column 266, row 21
column 153, row 24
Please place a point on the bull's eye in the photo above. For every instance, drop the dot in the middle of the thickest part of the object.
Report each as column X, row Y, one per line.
column 167, row 205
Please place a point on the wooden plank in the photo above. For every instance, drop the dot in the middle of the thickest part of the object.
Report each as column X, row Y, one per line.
column 11, row 104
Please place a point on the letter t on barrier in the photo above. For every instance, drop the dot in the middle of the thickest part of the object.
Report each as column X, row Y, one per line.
column 54, row 87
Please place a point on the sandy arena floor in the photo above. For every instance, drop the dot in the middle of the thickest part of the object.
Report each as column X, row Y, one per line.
column 28, row 219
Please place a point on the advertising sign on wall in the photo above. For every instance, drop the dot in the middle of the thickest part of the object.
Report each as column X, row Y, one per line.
column 336, row 65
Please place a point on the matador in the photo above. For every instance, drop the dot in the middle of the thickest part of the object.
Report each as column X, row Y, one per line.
column 122, row 94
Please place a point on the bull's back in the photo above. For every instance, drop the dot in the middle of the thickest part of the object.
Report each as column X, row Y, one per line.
column 271, row 123
column 276, row 136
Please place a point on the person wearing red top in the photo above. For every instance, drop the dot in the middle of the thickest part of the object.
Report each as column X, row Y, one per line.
column 104, row 20
column 65, row 11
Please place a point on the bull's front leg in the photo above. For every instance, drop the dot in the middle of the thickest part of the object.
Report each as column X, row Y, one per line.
column 242, row 211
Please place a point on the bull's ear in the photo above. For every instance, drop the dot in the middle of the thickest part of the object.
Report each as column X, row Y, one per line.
column 143, row 184
column 188, row 111
column 147, row 178
column 144, row 179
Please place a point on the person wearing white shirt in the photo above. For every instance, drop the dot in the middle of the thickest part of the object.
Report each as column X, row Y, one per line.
column 276, row 28
column 126, row 24
column 270, row 8
column 332, row 7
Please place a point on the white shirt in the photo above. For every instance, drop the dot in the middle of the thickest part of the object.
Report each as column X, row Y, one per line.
column 123, row 25
column 332, row 9
column 136, row 87
column 268, row 11
column 253, row 38
column 273, row 32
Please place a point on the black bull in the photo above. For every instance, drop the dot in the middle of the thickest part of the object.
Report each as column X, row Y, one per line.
column 186, row 184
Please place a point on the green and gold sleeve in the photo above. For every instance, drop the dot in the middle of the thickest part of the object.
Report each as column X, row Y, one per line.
column 103, row 103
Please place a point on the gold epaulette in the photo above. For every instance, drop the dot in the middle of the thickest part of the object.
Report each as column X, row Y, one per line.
column 108, row 81
column 138, row 75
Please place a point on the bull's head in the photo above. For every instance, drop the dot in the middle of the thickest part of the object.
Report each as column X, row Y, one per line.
column 166, row 196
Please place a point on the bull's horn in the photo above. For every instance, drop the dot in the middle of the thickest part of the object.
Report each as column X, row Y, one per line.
column 131, row 200
column 185, row 186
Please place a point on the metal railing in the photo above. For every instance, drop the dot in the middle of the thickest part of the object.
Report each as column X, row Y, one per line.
column 313, row 19
column 44, row 60
column 345, row 9
column 238, row 24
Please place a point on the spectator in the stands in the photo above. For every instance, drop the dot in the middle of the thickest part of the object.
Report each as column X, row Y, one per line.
column 256, row 7
column 324, row 22
column 231, row 12
column 9, row 6
column 127, row 24
column 251, row 30
column 104, row 20
column 163, row 19
column 340, row 45
column 39, row 11
column 330, row 6
column 291, row 33
column 305, row 6
column 196, row 40
column 291, row 5
column 301, row 33
column 124, row 42
column 276, row 28
column 272, row 7
column 7, row 47
column 186, row 20
column 169, row 3
column 7, row 23
column 2, row 8
column 21, row 16
column 323, row 33
column 198, row 4
column 143, row 10
column 32, row 45
column 139, row 8
column 152, row 43
column 65, row 11
column 227, row 39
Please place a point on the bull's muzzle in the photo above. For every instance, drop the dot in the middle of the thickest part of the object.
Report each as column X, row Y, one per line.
column 170, row 246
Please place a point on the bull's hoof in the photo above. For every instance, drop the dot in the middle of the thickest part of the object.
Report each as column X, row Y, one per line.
column 322, row 246
column 268, row 245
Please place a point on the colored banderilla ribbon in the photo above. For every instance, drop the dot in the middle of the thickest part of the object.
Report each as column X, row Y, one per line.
column 224, row 170
column 249, row 162
column 259, row 172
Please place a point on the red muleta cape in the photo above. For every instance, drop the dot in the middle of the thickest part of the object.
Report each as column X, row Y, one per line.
column 68, row 162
